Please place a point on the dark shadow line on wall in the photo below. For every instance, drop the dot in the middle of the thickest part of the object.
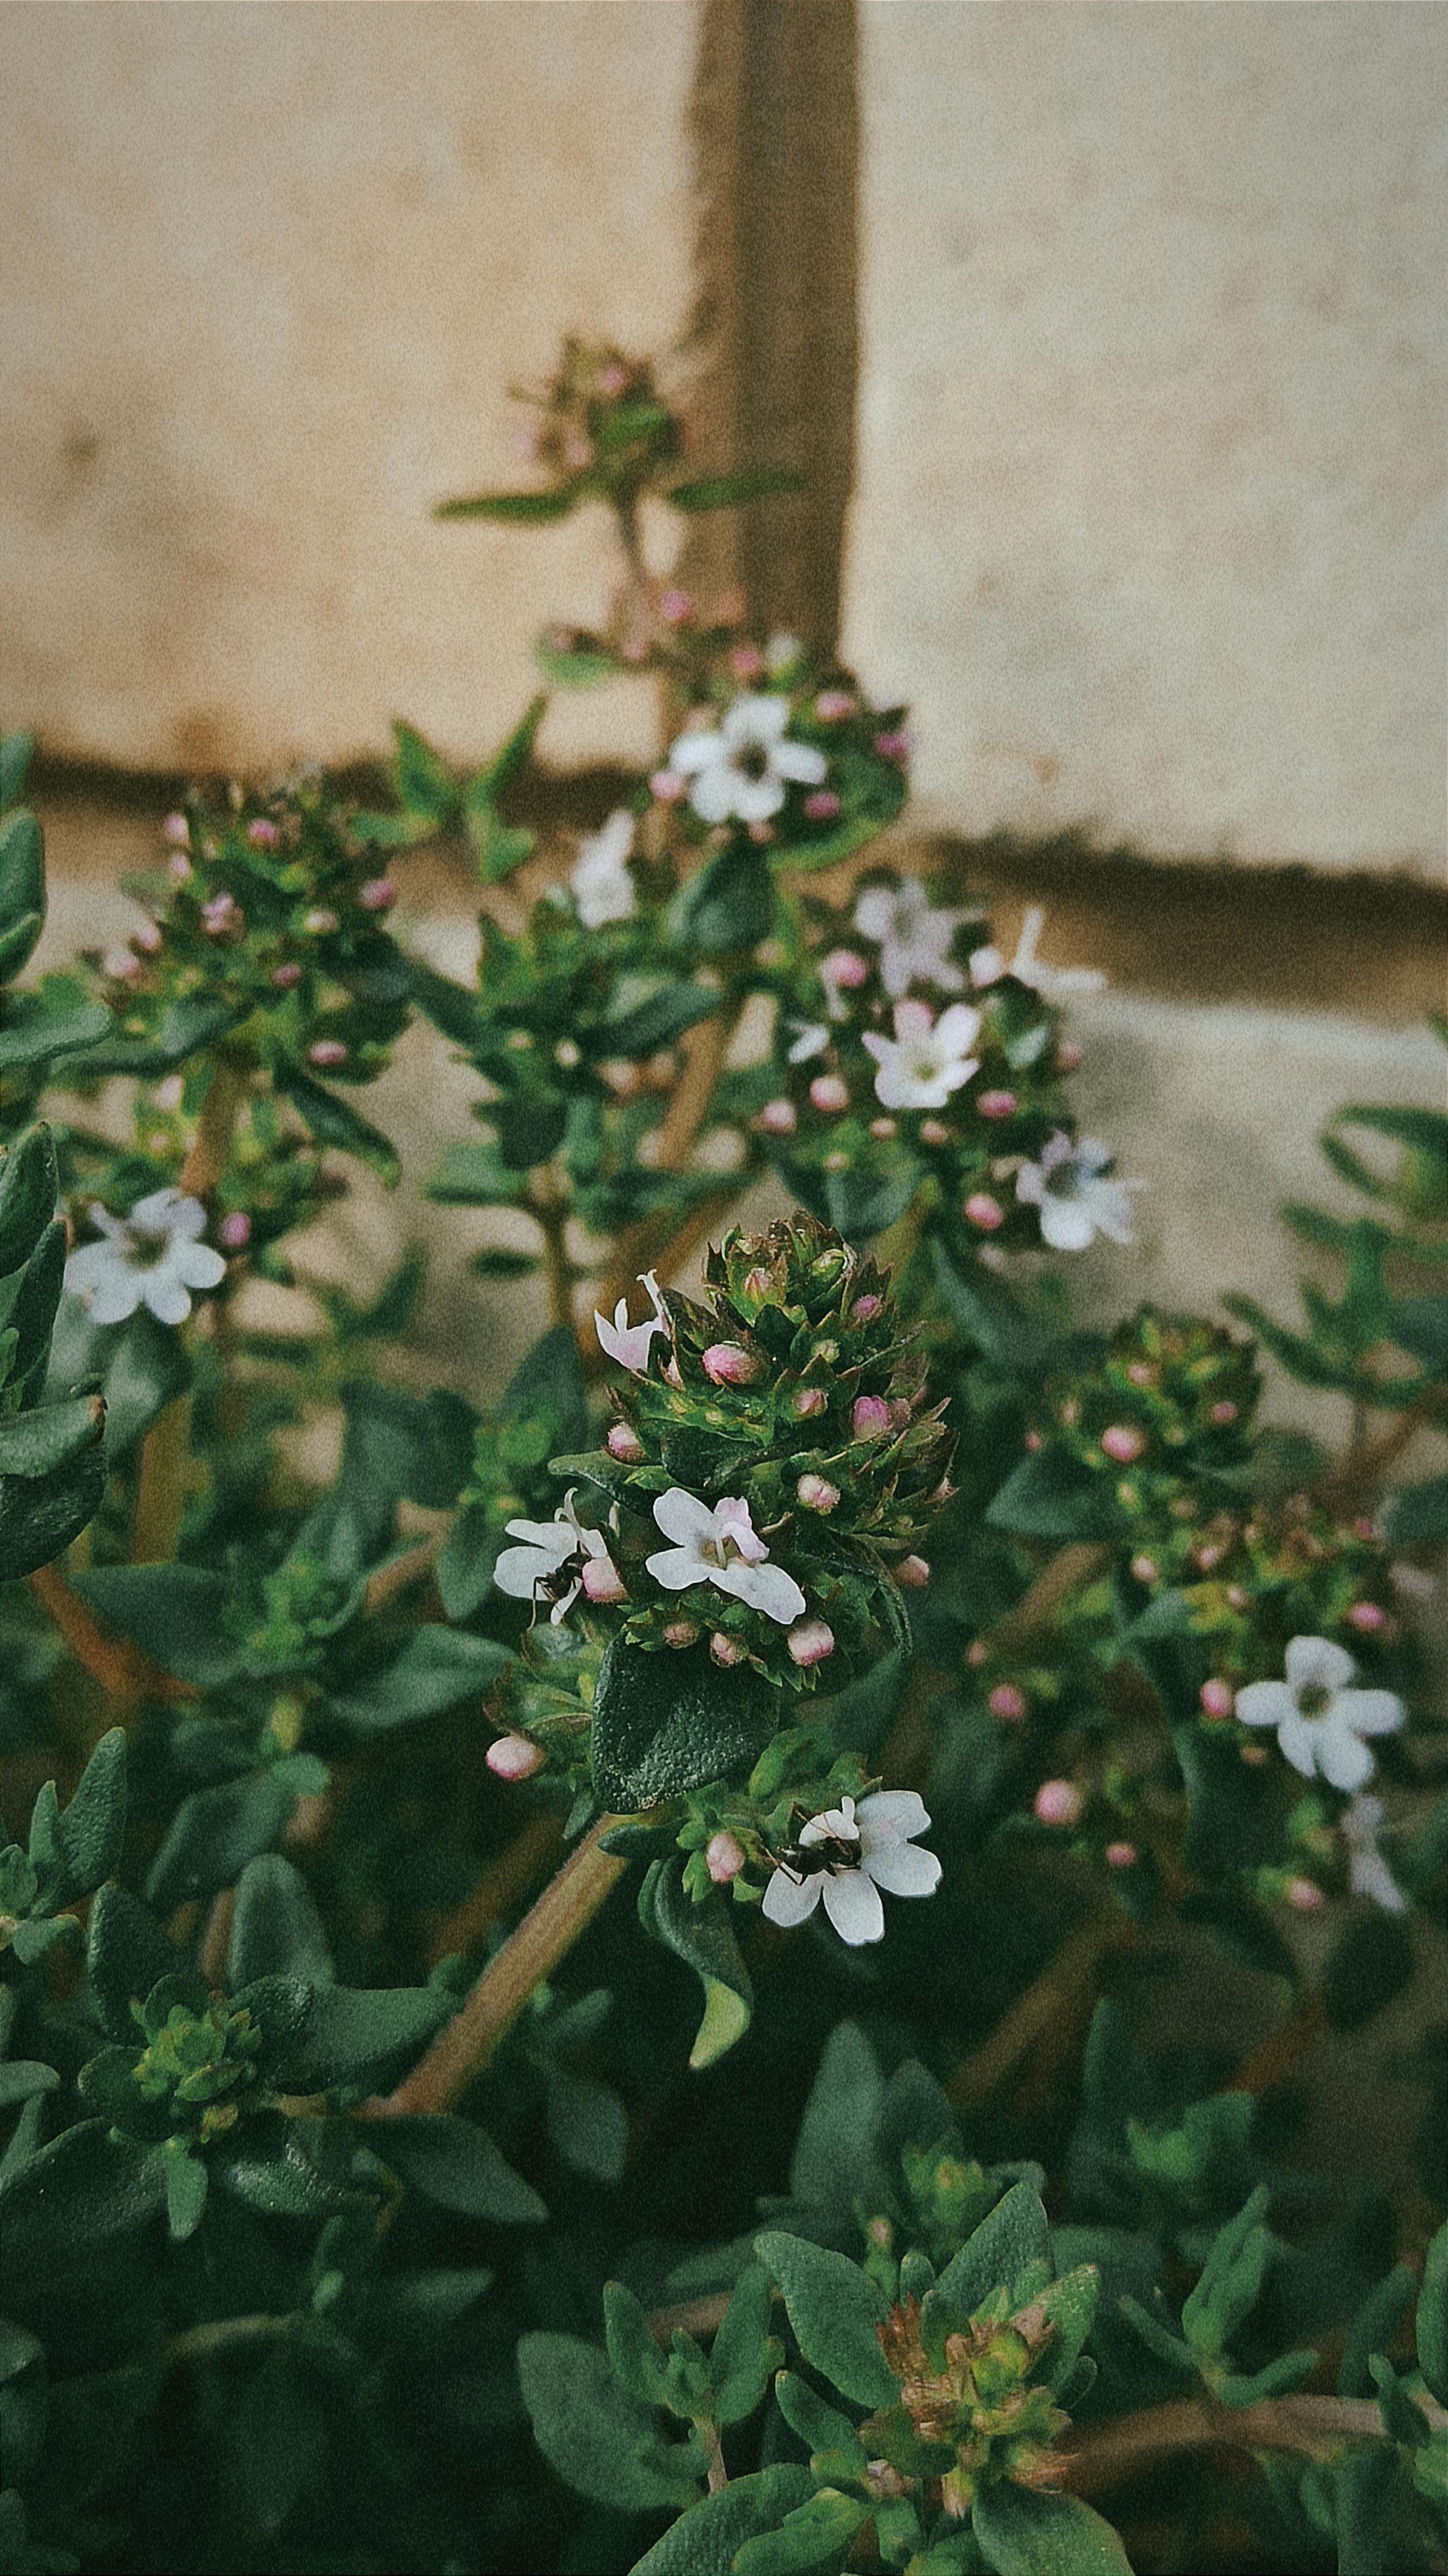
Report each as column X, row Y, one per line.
column 774, row 341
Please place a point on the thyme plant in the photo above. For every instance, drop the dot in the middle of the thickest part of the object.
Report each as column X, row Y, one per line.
column 376, row 2193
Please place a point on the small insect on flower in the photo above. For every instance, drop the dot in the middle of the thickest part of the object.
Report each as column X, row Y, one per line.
column 846, row 1855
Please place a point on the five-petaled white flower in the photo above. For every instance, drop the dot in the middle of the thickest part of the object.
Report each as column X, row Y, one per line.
column 629, row 1343
column 601, row 885
column 721, row 1546
column 1076, row 1201
column 927, row 1058
column 1320, row 1722
column 913, row 936
column 847, row 1855
column 1368, row 1873
column 560, row 1559
column 744, row 766
column 1053, row 983
column 152, row 1257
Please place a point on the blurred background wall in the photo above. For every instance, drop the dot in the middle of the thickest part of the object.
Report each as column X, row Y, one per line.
column 1113, row 336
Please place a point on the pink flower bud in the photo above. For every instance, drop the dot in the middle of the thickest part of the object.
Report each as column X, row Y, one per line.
column 147, row 938
column 913, row 1572
column 327, row 1051
column 1058, row 1802
column 1236, row 1598
column 727, row 1365
column 377, row 895
column 680, row 1632
column 1226, row 1411
column 171, row 1092
column 284, row 977
column 832, row 704
column 835, row 1162
column 884, row 1128
column 870, row 1417
column 234, row 1231
column 613, row 379
column 865, row 1309
column 624, row 1443
column 120, row 965
column 821, row 805
column 746, row 661
column 893, row 746
column 1033, row 1441
column 1068, row 1055
column 808, row 1400
column 844, row 969
column 602, row 1581
column 1146, row 1569
column 984, row 1211
column 1121, row 1442
column 817, row 1493
column 512, row 1757
column 996, row 1104
column 675, row 607
column 933, row 1131
column 809, row 1641
column 1217, row 1698
column 177, row 830
column 760, row 833
column 723, row 1858
column 1141, row 1372
column 829, row 1093
column 218, row 912
column 1363, row 1527
column 1007, row 1702
column 777, row 1118
column 667, row 786
column 1121, row 1855
column 321, row 921
column 723, row 1651
column 1366, row 1616
column 1304, row 1893
column 263, row 834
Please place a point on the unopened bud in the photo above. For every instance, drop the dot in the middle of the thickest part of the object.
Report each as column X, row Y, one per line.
column 624, row 1443
column 1366, row 1616
column 723, row 1858
column 865, row 1309
column 1058, row 1802
column 284, row 977
column 933, row 1131
column 777, row 1118
column 377, row 895
column 327, row 1051
column 884, row 1128
column 984, row 1211
column 667, row 786
column 809, row 1641
column 832, row 704
column 817, row 1493
column 602, row 1581
column 321, row 921
column 1121, row 1442
column 996, row 1104
column 1068, row 1055
column 147, row 938
column 234, row 1231
column 723, row 1651
column 844, row 969
column 728, row 1365
column 829, row 1093
column 675, row 607
column 680, row 1632
column 1146, row 1569
column 1007, row 1702
column 1304, row 1893
column 177, row 830
column 822, row 806
column 1121, row 1855
column 513, row 1757
column 263, row 834
column 870, row 1417
column 914, row 1572
column 808, row 1400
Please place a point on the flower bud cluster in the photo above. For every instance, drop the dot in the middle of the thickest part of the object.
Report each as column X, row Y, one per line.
column 1170, row 1403
column 893, row 1067
column 790, row 1411
column 972, row 2408
column 199, row 2058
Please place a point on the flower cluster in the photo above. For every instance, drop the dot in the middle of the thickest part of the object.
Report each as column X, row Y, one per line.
column 905, row 1055
column 974, row 2407
column 152, row 1257
column 199, row 2057
column 1170, row 1402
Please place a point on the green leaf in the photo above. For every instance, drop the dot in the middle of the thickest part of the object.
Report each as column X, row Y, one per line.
column 744, row 2353
column 600, row 2440
column 1433, row 2317
column 185, row 2192
column 727, row 906
column 829, row 2437
column 50, row 1435
column 352, row 2034
column 573, row 666
column 184, row 1028
column 1362, row 2487
column 276, row 1930
column 272, row 2174
column 665, row 1722
column 831, row 2161
column 172, row 1612
column 735, row 491
column 1416, row 1514
column 436, row 1669
column 516, row 509
column 89, row 1832
column 513, row 756
column 834, row 2309
column 214, row 1833
column 1301, row 1358
column 421, row 778
column 816, row 2534
column 1367, row 1969
column 36, row 1028
column 1048, row 1495
column 705, row 2542
column 456, row 2165
column 22, row 889
column 587, row 2124
column 994, row 1316
column 1029, row 2532
column 29, row 1187
column 1420, row 1325
column 863, row 1202
column 703, row 1937
column 1014, row 2235
column 126, row 1955
column 40, row 1515
column 16, row 753
column 332, row 1122
column 71, row 2202
column 450, row 1007
column 646, row 1012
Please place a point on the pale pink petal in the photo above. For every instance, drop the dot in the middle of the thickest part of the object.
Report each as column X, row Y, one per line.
column 519, row 1570
column 755, row 719
column 555, row 1538
column 1315, row 1663
column 1265, row 1704
column 764, row 1587
column 187, row 1218
column 1110, row 1208
column 712, row 794
column 88, row 1267
column 732, row 1521
column 157, row 1213
column 913, row 1020
column 789, row 1901
column 852, row 1902
column 677, row 1567
column 958, row 1027
column 837, row 1824
column 683, row 1518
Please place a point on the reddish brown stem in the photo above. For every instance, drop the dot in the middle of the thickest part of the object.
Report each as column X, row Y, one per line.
column 124, row 1673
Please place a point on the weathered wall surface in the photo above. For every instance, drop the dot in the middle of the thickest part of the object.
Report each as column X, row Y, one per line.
column 267, row 273
column 1149, row 519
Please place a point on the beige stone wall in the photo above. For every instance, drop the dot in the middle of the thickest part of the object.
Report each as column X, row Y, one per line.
column 1149, row 520
column 266, row 275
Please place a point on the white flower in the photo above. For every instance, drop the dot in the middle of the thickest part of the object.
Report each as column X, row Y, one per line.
column 601, row 885
column 1368, row 1873
column 151, row 1258
column 913, row 936
column 1075, row 1201
column 629, row 1343
column 721, row 1547
column 811, row 1039
column 927, row 1058
column 1320, row 1722
column 554, row 1563
column 744, row 766
column 1053, row 983
column 864, row 1849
